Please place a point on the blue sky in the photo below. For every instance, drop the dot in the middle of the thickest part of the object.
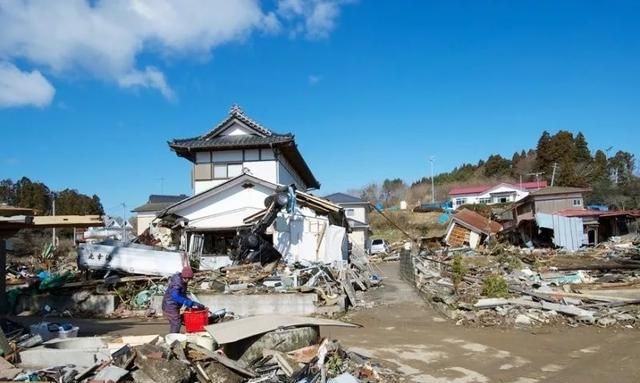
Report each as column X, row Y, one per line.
column 371, row 89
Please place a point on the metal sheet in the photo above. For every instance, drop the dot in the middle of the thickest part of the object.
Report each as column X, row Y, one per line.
column 129, row 258
column 233, row 331
column 568, row 233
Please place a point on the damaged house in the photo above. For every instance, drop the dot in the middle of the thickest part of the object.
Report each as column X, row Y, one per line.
column 234, row 167
column 468, row 228
column 556, row 217
column 357, row 212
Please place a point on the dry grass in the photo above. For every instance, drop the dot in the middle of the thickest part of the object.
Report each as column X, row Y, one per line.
column 416, row 224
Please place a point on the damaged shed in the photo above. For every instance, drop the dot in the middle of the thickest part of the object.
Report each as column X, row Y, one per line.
column 468, row 228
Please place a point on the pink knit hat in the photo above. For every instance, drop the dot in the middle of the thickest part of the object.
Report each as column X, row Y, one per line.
column 187, row 273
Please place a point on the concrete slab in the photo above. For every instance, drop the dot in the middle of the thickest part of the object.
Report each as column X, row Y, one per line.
column 82, row 352
column 255, row 304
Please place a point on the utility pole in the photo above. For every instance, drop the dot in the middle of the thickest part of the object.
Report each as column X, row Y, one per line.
column 553, row 175
column 53, row 213
column 433, row 185
column 537, row 174
column 124, row 222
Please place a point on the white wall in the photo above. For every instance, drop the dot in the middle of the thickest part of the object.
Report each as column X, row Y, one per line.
column 358, row 238
column 306, row 236
column 143, row 221
column 265, row 170
column 472, row 199
column 359, row 213
column 227, row 208
column 287, row 176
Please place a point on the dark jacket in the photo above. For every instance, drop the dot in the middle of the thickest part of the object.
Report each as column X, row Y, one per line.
column 176, row 295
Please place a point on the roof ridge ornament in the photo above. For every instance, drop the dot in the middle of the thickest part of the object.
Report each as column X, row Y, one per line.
column 235, row 109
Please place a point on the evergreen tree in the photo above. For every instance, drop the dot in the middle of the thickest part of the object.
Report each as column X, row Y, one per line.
column 600, row 171
column 7, row 192
column 544, row 157
column 33, row 195
column 582, row 152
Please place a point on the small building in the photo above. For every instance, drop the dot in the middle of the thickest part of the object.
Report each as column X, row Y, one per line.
column 493, row 194
column 145, row 214
column 357, row 212
column 468, row 228
column 549, row 200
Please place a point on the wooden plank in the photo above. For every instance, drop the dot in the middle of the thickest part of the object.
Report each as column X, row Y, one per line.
column 67, row 221
column 232, row 364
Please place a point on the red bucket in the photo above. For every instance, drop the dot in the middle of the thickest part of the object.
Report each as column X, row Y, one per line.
column 195, row 320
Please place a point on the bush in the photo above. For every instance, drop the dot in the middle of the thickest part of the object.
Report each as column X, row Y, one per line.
column 495, row 286
column 457, row 271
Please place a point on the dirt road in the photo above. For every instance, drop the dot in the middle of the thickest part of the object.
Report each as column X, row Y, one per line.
column 408, row 335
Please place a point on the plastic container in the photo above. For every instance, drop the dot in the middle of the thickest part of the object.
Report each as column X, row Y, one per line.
column 48, row 330
column 195, row 320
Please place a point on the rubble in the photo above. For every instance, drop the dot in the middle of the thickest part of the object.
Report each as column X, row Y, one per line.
column 513, row 287
column 176, row 358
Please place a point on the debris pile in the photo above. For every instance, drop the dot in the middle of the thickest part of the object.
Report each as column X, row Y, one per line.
column 512, row 287
column 260, row 349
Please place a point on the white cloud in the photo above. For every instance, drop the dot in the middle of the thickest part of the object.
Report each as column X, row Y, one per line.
column 18, row 88
column 104, row 38
column 149, row 78
column 314, row 18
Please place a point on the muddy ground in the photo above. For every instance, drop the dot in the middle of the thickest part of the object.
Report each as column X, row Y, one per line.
column 408, row 335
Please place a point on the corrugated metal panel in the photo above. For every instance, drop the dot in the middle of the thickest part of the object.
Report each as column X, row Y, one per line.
column 568, row 232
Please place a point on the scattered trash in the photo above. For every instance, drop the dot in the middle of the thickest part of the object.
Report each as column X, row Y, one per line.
column 510, row 286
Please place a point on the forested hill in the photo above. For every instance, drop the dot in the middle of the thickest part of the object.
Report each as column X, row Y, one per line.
column 38, row 196
column 611, row 175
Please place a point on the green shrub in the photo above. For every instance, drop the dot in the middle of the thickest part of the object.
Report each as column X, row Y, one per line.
column 495, row 286
column 457, row 271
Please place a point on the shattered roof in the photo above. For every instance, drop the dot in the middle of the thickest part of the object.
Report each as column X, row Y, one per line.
column 476, row 222
column 344, row 198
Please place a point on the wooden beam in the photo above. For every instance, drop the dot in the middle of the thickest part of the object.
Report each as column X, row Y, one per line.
column 67, row 221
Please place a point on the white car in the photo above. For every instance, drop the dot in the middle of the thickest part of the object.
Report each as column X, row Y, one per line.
column 379, row 246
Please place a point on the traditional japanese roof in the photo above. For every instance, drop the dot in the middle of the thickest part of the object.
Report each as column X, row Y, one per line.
column 345, row 199
column 257, row 136
column 246, row 180
column 158, row 202
column 481, row 189
column 474, row 221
